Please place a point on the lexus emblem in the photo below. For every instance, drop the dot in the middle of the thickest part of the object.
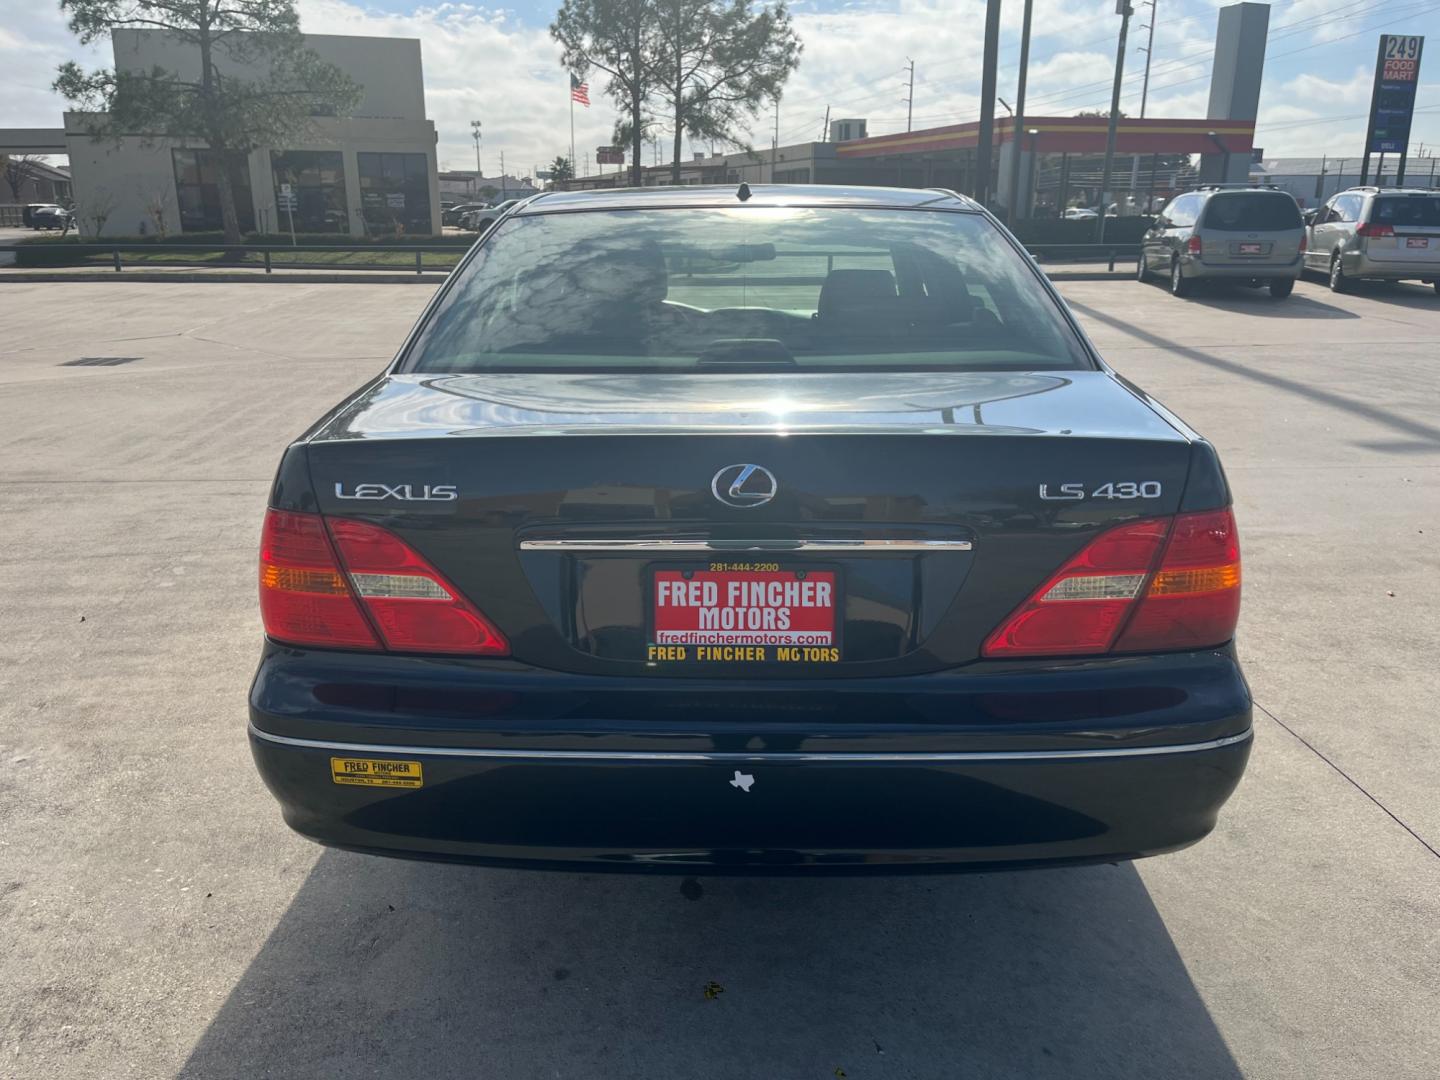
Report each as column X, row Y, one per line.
column 744, row 486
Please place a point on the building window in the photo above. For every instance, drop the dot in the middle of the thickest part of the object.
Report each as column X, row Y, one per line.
column 317, row 184
column 395, row 192
column 792, row 176
column 197, row 192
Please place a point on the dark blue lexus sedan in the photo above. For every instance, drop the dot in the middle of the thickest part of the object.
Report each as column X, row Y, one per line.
column 776, row 529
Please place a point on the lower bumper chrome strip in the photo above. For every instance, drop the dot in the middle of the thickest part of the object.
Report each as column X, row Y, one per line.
column 664, row 545
column 763, row 757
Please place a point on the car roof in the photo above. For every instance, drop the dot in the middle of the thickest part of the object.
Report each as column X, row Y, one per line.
column 759, row 195
column 1370, row 189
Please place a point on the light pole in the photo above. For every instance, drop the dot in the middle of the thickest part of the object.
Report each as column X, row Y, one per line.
column 1124, row 10
column 1032, row 174
column 985, row 136
column 1017, row 120
column 475, row 134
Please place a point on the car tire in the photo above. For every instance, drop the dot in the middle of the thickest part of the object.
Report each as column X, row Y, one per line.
column 1281, row 287
column 1339, row 283
column 1436, row 286
column 1142, row 272
column 1178, row 285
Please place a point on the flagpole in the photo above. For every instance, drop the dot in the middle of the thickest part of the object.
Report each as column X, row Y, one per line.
column 572, row 124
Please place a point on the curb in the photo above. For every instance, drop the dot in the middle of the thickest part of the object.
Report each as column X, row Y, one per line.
column 228, row 277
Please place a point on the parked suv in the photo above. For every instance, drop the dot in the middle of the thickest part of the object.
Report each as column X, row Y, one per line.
column 1251, row 234
column 1392, row 234
column 482, row 219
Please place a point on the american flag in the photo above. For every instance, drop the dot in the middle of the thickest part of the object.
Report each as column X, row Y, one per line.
column 579, row 91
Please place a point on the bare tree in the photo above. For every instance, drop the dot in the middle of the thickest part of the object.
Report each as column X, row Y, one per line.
column 18, row 170
column 94, row 211
column 157, row 202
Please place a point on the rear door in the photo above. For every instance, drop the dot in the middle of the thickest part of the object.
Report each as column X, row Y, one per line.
column 1259, row 227
column 1404, row 230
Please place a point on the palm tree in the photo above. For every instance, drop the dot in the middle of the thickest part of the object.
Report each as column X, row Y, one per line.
column 562, row 168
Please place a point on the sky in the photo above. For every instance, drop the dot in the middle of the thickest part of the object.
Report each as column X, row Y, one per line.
column 500, row 66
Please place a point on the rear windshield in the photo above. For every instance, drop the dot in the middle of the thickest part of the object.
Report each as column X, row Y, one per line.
column 759, row 287
column 1402, row 210
column 1252, row 211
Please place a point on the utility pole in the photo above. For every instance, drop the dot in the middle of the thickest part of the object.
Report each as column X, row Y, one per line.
column 502, row 175
column 1123, row 8
column 475, row 134
column 1149, row 51
column 1017, row 123
column 910, row 101
column 985, row 142
column 825, row 129
column 775, row 142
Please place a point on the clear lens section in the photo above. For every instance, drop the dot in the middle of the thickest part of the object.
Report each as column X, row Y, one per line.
column 400, row 586
column 1108, row 587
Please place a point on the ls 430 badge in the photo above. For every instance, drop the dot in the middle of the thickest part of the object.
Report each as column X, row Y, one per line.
column 403, row 492
column 1148, row 489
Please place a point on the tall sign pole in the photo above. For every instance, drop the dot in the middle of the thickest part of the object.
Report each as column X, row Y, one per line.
column 1017, row 122
column 985, row 140
column 1392, row 100
column 1124, row 10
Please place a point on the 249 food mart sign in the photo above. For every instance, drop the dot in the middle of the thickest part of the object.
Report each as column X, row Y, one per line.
column 1397, row 74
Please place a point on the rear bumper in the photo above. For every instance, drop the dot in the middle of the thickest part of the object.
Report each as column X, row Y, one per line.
column 1359, row 264
column 980, row 771
column 759, row 812
column 1196, row 268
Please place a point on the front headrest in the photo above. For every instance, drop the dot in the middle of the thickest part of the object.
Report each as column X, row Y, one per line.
column 848, row 291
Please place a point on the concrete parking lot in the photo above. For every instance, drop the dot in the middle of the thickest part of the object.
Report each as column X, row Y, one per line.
column 158, row 920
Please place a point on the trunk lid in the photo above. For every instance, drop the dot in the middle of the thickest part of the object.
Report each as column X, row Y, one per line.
column 932, row 503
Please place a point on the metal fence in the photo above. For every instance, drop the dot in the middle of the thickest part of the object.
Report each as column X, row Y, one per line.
column 237, row 255
column 115, row 255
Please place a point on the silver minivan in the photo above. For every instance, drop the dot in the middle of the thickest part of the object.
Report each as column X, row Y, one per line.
column 1389, row 234
column 1249, row 234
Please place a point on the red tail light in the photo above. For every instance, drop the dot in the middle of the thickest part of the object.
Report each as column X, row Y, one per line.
column 1194, row 247
column 1304, row 243
column 1122, row 594
column 304, row 597
column 1371, row 228
column 339, row 588
column 412, row 605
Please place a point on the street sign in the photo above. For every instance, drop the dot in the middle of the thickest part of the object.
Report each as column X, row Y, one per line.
column 1392, row 102
column 609, row 155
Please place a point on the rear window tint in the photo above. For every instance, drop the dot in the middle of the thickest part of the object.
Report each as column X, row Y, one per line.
column 707, row 289
column 1407, row 210
column 1252, row 211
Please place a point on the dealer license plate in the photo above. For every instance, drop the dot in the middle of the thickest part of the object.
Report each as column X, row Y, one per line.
column 744, row 613
column 1417, row 241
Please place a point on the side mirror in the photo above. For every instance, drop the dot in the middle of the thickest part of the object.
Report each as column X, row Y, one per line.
column 1310, row 216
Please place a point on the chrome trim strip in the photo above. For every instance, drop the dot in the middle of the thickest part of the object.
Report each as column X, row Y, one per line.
column 776, row 545
column 754, row 758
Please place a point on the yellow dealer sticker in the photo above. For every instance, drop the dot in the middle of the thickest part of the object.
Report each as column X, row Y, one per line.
column 368, row 772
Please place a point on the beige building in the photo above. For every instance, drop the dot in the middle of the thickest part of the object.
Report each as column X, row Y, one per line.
column 371, row 173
